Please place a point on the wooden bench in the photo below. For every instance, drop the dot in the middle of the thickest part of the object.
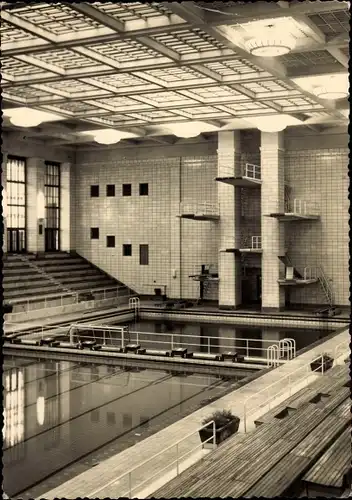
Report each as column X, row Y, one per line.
column 157, row 352
column 279, row 480
column 207, row 356
column 332, row 467
column 324, row 385
column 68, row 345
column 108, row 348
column 238, row 465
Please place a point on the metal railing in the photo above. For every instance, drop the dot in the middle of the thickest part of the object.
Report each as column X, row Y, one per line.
column 287, row 347
column 204, row 208
column 176, row 463
column 284, row 385
column 252, row 171
column 310, row 273
column 341, row 351
column 36, row 303
column 326, row 286
column 303, row 207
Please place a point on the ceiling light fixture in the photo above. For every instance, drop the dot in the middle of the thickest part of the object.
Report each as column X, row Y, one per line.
column 108, row 136
column 190, row 129
column 329, row 93
column 27, row 117
column 271, row 42
column 273, row 123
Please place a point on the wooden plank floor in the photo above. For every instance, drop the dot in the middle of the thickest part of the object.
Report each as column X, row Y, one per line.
column 236, row 467
column 109, row 470
column 334, row 463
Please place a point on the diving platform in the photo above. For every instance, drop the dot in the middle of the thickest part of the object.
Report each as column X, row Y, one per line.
column 299, row 210
column 199, row 211
column 309, row 277
column 249, row 176
column 249, row 245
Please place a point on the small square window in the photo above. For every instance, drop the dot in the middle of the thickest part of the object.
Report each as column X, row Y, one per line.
column 143, row 189
column 127, row 250
column 126, row 189
column 110, row 241
column 110, row 190
column 94, row 233
column 94, row 191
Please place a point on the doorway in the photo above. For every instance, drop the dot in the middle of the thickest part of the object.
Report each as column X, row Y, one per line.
column 16, row 240
column 51, row 240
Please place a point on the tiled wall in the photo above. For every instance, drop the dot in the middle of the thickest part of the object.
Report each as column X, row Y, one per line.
column 150, row 220
column 320, row 176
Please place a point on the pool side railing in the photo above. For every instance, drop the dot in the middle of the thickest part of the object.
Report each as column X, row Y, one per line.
column 284, row 385
column 66, row 299
column 286, row 347
column 176, row 463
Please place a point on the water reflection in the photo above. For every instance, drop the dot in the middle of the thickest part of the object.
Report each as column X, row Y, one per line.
column 57, row 412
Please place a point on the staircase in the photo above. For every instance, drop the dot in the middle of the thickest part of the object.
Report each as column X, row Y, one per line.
column 285, row 259
column 326, row 287
column 54, row 276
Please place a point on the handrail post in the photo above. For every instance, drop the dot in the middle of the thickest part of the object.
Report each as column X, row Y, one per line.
column 130, row 484
column 208, row 345
column 177, row 462
column 214, row 435
column 322, row 364
column 247, row 348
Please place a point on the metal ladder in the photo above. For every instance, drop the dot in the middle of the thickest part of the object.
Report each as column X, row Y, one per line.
column 326, row 287
column 47, row 276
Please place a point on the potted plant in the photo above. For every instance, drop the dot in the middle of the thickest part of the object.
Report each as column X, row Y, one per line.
column 226, row 424
column 324, row 362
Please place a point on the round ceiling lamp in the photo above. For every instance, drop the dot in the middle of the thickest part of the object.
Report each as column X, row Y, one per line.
column 270, row 123
column 271, row 42
column 330, row 93
column 26, row 119
column 108, row 136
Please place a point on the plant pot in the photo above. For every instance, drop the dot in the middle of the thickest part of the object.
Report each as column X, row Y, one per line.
column 317, row 365
column 221, row 433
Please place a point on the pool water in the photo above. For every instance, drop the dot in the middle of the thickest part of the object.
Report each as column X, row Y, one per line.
column 59, row 413
column 213, row 338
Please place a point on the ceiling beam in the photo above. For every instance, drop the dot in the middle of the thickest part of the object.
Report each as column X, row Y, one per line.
column 270, row 65
column 315, row 32
column 252, row 11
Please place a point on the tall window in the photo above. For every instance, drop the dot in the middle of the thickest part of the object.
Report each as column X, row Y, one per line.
column 52, row 206
column 16, row 204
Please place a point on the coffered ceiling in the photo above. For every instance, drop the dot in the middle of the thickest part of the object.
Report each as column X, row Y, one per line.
column 139, row 67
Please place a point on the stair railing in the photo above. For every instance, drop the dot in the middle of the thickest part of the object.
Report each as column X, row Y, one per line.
column 252, row 171
column 48, row 277
column 326, row 287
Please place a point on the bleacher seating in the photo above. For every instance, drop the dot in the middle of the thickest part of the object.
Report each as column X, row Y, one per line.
column 271, row 461
column 49, row 276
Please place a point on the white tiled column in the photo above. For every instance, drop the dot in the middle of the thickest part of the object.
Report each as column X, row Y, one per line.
column 35, row 204
column 273, row 235
column 230, row 294
column 175, row 279
column 65, row 207
column 4, row 199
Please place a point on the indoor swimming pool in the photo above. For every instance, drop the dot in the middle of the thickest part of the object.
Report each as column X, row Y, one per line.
column 250, row 340
column 61, row 413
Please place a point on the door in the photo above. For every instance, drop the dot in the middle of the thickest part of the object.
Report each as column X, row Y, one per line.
column 51, row 240
column 16, row 241
column 259, row 288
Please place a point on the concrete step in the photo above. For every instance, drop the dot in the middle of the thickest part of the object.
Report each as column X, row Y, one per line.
column 75, row 273
column 42, row 290
column 78, row 279
column 58, row 262
column 88, row 285
column 24, row 284
column 39, row 298
column 16, row 278
column 64, row 267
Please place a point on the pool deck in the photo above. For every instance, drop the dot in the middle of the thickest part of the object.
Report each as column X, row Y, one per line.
column 100, row 481
column 257, row 315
